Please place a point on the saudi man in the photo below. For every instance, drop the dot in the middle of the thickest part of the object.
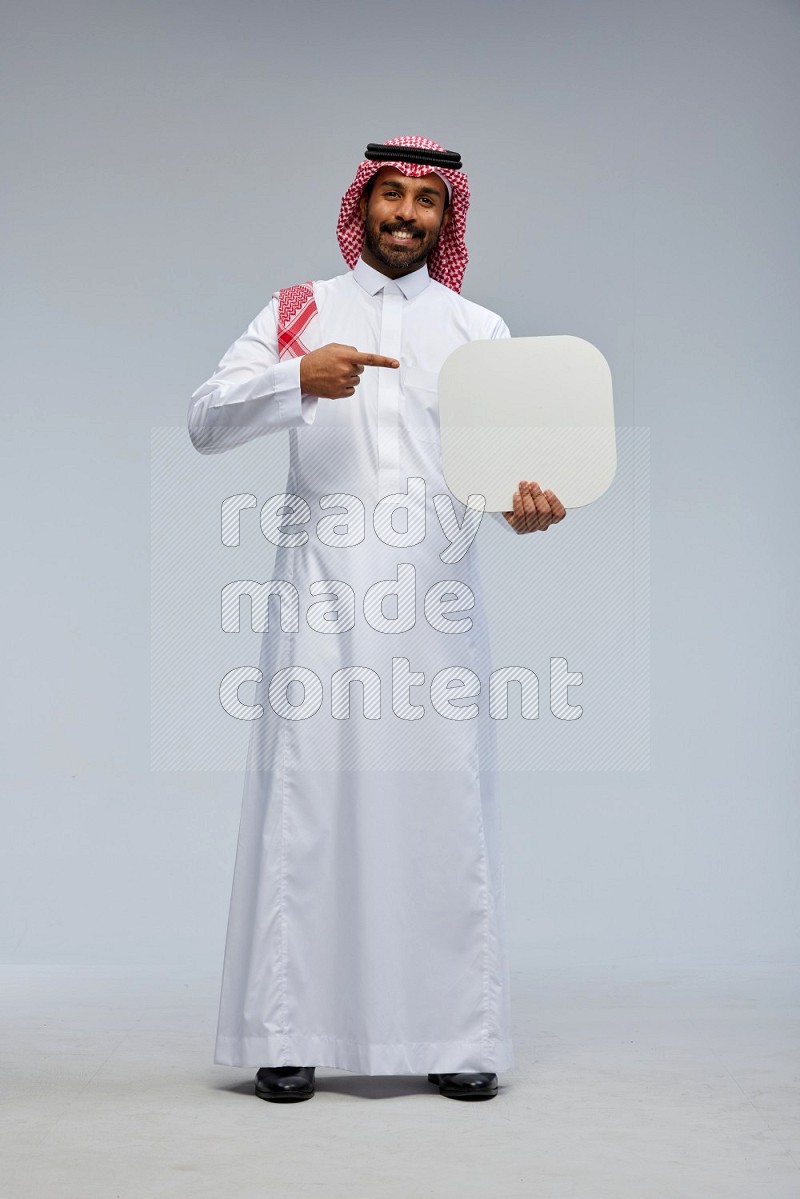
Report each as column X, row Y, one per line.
column 366, row 925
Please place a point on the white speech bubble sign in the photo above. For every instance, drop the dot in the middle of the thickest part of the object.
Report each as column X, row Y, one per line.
column 534, row 408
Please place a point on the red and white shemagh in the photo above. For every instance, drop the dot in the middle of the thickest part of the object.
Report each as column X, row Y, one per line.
column 448, row 260
column 296, row 307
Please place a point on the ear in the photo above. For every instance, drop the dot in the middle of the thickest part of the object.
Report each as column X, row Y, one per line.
column 446, row 216
column 362, row 207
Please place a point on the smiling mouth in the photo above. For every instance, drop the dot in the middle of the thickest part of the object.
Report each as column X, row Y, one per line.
column 402, row 237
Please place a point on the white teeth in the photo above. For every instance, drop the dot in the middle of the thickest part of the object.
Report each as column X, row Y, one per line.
column 407, row 236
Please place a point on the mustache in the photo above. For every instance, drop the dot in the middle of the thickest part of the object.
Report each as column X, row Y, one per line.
column 402, row 228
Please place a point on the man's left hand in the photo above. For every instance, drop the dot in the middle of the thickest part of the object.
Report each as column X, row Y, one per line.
column 534, row 510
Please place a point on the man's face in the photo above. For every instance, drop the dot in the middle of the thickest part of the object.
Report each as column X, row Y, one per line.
column 403, row 218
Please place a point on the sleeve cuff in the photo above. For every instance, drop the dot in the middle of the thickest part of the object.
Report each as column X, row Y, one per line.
column 296, row 408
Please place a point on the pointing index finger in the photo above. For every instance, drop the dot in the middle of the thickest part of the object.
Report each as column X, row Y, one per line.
column 373, row 360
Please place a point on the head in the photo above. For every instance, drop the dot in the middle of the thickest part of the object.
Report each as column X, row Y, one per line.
column 371, row 212
column 403, row 218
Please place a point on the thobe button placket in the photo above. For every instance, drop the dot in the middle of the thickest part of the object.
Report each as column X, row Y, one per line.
column 389, row 479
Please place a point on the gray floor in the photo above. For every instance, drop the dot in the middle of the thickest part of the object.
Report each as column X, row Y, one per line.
column 683, row 1084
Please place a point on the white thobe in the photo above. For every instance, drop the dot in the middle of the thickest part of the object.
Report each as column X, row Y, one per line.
column 366, row 926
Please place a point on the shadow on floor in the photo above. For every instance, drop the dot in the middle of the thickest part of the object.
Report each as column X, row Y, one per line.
column 358, row 1086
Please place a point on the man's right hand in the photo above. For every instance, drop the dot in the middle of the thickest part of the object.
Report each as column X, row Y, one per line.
column 334, row 371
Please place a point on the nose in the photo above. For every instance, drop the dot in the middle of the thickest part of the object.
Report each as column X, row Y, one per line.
column 405, row 209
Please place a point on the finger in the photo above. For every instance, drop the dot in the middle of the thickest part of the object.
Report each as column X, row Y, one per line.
column 522, row 516
column 543, row 514
column 540, row 500
column 528, row 507
column 556, row 507
column 546, row 516
column 524, row 512
column 512, row 517
column 359, row 359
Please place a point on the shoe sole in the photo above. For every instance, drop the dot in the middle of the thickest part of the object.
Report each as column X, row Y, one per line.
column 284, row 1098
column 468, row 1095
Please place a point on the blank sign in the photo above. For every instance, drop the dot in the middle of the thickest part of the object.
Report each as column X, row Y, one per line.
column 535, row 408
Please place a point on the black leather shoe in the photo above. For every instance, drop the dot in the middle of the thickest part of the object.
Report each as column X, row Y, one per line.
column 466, row 1086
column 285, row 1084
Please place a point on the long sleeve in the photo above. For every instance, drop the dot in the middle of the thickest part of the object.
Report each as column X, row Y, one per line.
column 501, row 329
column 251, row 392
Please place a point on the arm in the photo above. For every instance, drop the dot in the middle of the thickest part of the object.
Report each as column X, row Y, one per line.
column 250, row 393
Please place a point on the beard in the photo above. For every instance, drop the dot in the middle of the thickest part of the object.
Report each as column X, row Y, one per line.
column 398, row 258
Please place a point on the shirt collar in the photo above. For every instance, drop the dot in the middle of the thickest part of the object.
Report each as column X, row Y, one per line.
column 372, row 281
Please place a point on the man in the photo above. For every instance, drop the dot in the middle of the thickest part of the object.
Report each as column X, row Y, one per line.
column 366, row 928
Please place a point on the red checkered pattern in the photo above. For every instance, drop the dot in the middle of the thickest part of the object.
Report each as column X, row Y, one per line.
column 448, row 260
column 296, row 307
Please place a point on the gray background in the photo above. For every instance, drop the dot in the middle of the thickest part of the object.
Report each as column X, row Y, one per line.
column 635, row 178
